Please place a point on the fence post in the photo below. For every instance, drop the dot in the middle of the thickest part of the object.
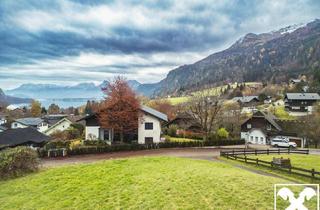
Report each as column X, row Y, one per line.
column 257, row 160
column 312, row 172
column 267, row 151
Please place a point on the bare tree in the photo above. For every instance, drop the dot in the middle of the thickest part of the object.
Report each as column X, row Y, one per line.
column 205, row 110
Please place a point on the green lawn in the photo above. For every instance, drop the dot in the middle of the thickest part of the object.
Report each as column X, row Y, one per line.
column 141, row 183
column 297, row 160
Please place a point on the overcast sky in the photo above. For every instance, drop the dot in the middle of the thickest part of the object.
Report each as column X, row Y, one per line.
column 67, row 42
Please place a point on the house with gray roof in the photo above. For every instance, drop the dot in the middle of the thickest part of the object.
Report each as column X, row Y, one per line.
column 34, row 122
column 22, row 136
column 300, row 103
column 149, row 128
column 263, row 126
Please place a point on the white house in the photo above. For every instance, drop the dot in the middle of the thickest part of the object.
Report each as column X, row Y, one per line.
column 262, row 127
column 34, row 122
column 149, row 128
column 61, row 125
column 3, row 119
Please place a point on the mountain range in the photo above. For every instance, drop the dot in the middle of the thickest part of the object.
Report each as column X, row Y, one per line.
column 269, row 57
column 51, row 91
column 6, row 100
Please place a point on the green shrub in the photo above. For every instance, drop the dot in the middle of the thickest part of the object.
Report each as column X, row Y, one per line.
column 172, row 130
column 222, row 133
column 18, row 161
column 93, row 142
column 56, row 144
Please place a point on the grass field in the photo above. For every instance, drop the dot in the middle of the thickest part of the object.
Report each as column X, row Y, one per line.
column 300, row 161
column 141, row 183
column 215, row 91
column 297, row 160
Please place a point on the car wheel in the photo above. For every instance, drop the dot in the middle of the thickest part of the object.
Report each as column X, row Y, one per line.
column 275, row 145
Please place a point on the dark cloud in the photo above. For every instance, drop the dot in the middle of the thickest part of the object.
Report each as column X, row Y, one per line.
column 38, row 31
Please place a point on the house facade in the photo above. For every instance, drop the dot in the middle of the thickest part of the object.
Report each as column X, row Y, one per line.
column 3, row 119
column 32, row 122
column 300, row 103
column 62, row 125
column 262, row 127
column 149, row 128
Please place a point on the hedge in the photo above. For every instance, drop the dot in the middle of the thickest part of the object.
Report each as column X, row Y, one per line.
column 95, row 149
column 18, row 161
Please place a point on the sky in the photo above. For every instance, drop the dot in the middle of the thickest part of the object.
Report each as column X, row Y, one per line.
column 75, row 41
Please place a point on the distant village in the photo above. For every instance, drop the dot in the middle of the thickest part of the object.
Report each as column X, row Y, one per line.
column 256, row 113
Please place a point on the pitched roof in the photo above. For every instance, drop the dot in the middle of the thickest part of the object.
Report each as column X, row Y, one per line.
column 13, row 137
column 143, row 108
column 245, row 99
column 154, row 113
column 54, row 118
column 269, row 117
column 31, row 121
column 303, row 96
column 57, row 123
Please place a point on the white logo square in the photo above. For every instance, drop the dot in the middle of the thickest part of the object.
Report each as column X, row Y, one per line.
column 296, row 196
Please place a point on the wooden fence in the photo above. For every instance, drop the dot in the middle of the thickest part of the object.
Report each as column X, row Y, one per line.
column 241, row 155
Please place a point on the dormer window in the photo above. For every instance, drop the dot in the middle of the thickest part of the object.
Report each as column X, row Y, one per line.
column 249, row 126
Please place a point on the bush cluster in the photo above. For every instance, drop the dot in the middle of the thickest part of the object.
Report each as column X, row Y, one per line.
column 18, row 161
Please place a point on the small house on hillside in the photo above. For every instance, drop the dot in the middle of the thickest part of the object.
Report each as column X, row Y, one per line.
column 33, row 122
column 247, row 101
column 300, row 103
column 149, row 128
column 22, row 136
column 262, row 127
column 186, row 122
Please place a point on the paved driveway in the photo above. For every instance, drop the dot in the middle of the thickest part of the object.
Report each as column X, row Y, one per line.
column 208, row 153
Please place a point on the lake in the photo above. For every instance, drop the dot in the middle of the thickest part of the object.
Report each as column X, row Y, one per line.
column 61, row 102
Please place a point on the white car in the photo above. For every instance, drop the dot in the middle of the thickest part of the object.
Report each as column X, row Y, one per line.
column 282, row 142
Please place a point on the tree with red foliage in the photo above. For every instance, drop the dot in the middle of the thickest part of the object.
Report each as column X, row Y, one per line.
column 120, row 109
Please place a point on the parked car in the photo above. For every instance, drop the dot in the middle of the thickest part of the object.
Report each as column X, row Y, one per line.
column 282, row 142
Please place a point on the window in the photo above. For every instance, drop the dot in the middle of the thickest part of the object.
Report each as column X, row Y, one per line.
column 257, row 139
column 251, row 138
column 248, row 125
column 148, row 140
column 261, row 139
column 148, row 126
